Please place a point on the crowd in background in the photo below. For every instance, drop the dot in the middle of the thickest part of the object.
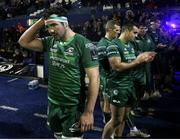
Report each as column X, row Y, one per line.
column 93, row 29
column 134, row 3
column 13, row 8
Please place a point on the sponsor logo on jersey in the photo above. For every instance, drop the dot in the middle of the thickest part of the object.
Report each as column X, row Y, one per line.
column 93, row 50
column 54, row 46
column 116, row 101
column 90, row 46
column 53, row 50
column 126, row 52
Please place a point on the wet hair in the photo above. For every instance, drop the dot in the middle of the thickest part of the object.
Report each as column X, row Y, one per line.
column 58, row 10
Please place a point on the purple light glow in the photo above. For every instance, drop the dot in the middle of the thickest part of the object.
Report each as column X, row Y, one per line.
column 173, row 25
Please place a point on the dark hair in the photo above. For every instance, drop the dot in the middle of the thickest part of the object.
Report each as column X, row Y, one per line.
column 155, row 19
column 141, row 24
column 58, row 10
column 128, row 26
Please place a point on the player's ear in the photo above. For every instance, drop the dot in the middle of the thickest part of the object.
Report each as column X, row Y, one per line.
column 65, row 24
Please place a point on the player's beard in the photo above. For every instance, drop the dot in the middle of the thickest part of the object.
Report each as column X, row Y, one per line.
column 60, row 36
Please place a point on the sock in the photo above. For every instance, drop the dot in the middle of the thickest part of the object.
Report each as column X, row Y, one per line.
column 134, row 128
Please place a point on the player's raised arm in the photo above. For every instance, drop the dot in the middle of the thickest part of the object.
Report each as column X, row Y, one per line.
column 29, row 38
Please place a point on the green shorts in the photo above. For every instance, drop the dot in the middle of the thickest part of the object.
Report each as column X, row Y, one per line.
column 63, row 120
column 122, row 97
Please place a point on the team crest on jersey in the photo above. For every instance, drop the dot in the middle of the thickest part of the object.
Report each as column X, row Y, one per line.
column 69, row 51
column 115, row 92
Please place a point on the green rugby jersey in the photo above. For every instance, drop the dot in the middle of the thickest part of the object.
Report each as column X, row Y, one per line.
column 143, row 44
column 127, row 54
column 102, row 56
column 66, row 63
column 155, row 35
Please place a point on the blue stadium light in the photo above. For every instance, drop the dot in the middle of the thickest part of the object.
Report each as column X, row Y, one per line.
column 173, row 25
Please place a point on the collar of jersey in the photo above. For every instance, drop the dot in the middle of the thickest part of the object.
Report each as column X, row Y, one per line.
column 68, row 41
column 107, row 39
column 125, row 44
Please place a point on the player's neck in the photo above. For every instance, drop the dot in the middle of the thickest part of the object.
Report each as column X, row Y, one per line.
column 69, row 34
column 108, row 36
column 123, row 38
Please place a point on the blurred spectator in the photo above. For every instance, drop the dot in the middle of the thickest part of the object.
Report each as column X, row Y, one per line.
column 151, row 4
column 9, row 55
column 18, row 57
column 129, row 17
column 20, row 28
column 3, row 53
column 26, row 58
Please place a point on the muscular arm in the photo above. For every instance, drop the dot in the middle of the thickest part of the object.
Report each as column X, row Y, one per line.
column 118, row 65
column 29, row 40
column 93, row 75
column 87, row 119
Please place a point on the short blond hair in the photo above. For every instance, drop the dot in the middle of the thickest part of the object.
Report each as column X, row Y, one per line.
column 110, row 24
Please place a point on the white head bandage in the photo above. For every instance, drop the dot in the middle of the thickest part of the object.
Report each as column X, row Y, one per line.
column 55, row 17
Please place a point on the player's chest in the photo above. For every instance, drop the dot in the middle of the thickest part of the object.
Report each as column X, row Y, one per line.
column 64, row 54
column 128, row 53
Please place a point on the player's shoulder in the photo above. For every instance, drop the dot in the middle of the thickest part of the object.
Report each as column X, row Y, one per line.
column 102, row 42
column 114, row 42
column 80, row 37
column 83, row 42
column 116, row 39
column 48, row 40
